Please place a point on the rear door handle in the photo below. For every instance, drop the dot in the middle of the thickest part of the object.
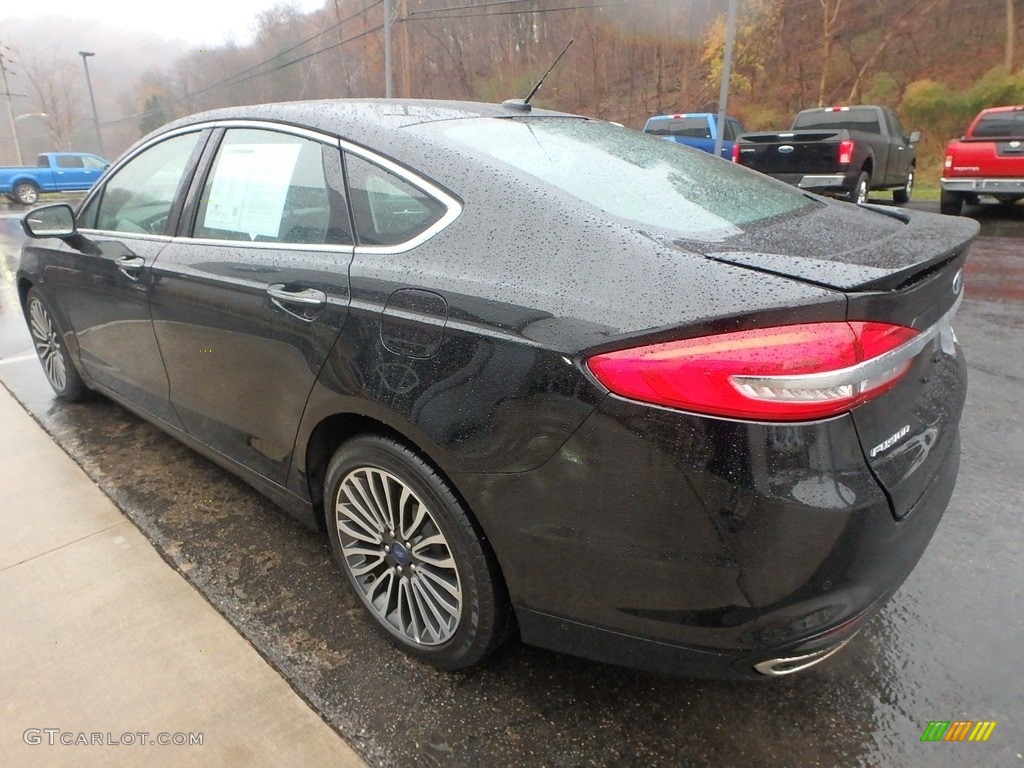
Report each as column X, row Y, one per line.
column 310, row 297
column 129, row 266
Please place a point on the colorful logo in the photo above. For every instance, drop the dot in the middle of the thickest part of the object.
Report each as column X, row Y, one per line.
column 958, row 730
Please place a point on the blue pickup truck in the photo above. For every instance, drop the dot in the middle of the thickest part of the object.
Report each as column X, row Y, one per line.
column 696, row 129
column 55, row 172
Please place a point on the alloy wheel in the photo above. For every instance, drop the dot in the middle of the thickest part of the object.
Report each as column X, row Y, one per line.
column 48, row 344
column 398, row 557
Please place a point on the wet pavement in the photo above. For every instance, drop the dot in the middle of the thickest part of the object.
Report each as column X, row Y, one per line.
column 947, row 646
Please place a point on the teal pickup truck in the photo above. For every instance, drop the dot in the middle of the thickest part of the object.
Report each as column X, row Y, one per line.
column 55, row 172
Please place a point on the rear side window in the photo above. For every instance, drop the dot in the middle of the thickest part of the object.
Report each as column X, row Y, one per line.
column 65, row 161
column 865, row 120
column 1000, row 125
column 139, row 196
column 386, row 209
column 272, row 187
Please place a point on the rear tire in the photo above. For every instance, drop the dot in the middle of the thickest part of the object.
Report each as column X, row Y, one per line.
column 859, row 194
column 412, row 554
column 52, row 349
column 26, row 193
column 951, row 203
column 903, row 195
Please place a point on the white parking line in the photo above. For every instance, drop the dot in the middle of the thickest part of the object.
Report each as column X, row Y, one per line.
column 18, row 358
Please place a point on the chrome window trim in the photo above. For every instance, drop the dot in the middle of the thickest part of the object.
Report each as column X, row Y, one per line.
column 453, row 208
column 128, row 235
column 307, row 247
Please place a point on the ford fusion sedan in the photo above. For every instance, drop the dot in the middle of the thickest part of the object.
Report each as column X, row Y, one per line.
column 534, row 374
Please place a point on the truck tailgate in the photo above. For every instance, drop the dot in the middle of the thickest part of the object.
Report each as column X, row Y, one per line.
column 988, row 157
column 806, row 152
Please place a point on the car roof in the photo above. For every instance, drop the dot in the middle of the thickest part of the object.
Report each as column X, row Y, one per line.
column 347, row 116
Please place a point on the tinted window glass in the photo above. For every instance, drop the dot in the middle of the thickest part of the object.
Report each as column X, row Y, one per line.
column 69, row 162
column 852, row 119
column 387, row 209
column 138, row 198
column 271, row 187
column 626, row 174
column 690, row 127
column 1001, row 125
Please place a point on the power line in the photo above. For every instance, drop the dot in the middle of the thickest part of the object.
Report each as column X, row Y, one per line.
column 535, row 10
column 225, row 85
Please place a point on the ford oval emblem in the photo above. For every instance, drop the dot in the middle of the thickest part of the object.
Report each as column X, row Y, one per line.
column 785, row 149
column 958, row 282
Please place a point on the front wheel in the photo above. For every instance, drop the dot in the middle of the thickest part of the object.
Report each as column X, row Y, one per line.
column 951, row 203
column 412, row 555
column 53, row 350
column 903, row 195
column 859, row 194
column 26, row 193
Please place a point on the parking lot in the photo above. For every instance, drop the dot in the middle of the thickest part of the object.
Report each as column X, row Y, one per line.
column 947, row 647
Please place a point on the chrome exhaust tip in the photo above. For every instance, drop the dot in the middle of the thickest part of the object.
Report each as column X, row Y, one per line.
column 789, row 664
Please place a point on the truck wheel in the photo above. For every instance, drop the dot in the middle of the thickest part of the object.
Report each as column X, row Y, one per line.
column 951, row 203
column 26, row 193
column 859, row 194
column 903, row 195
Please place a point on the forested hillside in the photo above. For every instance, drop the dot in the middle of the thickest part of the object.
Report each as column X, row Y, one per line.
column 934, row 61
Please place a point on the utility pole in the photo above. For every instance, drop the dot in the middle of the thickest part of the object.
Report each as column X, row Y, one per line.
column 406, row 52
column 723, row 90
column 387, row 49
column 10, row 109
column 92, row 99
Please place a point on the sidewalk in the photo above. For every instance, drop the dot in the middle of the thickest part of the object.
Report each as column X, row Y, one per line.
column 106, row 651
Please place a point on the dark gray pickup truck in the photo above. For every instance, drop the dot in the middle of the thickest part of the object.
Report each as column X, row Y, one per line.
column 841, row 151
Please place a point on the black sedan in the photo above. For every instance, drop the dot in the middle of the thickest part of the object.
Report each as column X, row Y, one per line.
column 533, row 373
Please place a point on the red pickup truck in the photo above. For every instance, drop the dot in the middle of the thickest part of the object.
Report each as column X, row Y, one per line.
column 987, row 160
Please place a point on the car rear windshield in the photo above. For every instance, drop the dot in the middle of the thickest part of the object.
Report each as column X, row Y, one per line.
column 865, row 120
column 1000, row 125
column 638, row 178
column 688, row 127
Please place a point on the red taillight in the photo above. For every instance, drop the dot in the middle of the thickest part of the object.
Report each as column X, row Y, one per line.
column 736, row 152
column 785, row 373
column 948, row 163
column 846, row 152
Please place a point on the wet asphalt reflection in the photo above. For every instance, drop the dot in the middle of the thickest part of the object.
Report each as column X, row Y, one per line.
column 947, row 647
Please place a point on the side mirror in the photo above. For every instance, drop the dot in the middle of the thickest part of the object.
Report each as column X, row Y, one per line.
column 56, row 220
column 914, row 137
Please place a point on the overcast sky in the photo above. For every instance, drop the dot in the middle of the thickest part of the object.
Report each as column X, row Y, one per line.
column 195, row 21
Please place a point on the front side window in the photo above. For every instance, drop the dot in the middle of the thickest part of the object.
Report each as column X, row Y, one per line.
column 93, row 163
column 272, row 187
column 139, row 196
column 387, row 210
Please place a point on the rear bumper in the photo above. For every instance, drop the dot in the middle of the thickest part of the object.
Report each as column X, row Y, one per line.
column 702, row 547
column 984, row 186
column 830, row 181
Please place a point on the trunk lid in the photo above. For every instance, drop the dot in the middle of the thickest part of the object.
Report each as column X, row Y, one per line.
column 867, row 248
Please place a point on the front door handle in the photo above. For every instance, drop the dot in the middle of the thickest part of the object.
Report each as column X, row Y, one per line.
column 310, row 297
column 129, row 265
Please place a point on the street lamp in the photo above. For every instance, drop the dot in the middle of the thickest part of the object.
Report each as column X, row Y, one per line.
column 92, row 99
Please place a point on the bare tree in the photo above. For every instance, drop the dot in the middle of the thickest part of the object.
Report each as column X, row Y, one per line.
column 57, row 92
